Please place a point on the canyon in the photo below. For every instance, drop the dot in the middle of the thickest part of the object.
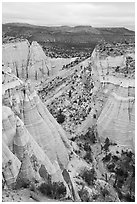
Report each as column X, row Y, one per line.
column 68, row 119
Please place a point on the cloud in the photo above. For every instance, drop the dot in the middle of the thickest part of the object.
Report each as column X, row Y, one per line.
column 94, row 14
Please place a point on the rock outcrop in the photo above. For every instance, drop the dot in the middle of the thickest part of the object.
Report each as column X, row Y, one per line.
column 117, row 119
column 112, row 95
column 38, row 64
column 27, row 60
column 36, row 148
column 36, row 134
column 15, row 55
column 10, row 165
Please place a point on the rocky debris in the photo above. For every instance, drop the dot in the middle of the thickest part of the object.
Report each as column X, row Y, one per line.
column 57, row 64
column 68, row 50
column 74, row 106
column 76, row 62
column 117, row 49
column 121, row 171
column 117, row 60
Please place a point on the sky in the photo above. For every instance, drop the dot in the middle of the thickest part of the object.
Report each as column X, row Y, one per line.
column 58, row 13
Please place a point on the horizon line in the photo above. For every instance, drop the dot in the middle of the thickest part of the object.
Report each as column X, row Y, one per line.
column 59, row 25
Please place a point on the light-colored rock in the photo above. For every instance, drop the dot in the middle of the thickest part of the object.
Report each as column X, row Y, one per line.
column 116, row 120
column 41, row 137
column 42, row 132
column 57, row 64
column 27, row 60
column 38, row 64
column 10, row 165
column 15, row 56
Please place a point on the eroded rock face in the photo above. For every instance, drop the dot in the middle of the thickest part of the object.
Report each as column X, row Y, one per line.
column 10, row 165
column 29, row 61
column 36, row 133
column 57, row 64
column 38, row 142
column 15, row 55
column 117, row 119
column 38, row 64
column 111, row 96
column 48, row 138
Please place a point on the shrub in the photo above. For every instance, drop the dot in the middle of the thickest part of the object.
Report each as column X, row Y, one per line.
column 55, row 190
column 104, row 192
column 90, row 136
column 111, row 167
column 84, row 195
column 107, row 158
column 46, row 189
column 87, row 147
column 60, row 118
column 22, row 183
column 89, row 176
column 115, row 158
column 95, row 196
column 124, row 175
column 88, row 157
column 106, row 144
column 73, row 139
column 129, row 198
column 59, row 190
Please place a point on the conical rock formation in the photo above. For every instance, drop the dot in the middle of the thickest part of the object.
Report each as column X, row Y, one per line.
column 42, row 132
column 39, row 66
column 7, row 125
column 49, row 119
column 38, row 134
column 10, row 165
column 15, row 56
column 27, row 60
column 26, row 173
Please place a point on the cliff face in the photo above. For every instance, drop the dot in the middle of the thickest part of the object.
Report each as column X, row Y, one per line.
column 38, row 64
column 32, row 135
column 95, row 93
column 117, row 119
column 111, row 94
column 15, row 55
column 29, row 60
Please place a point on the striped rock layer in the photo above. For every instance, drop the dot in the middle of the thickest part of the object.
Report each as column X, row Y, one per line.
column 117, row 119
column 35, row 134
column 27, row 60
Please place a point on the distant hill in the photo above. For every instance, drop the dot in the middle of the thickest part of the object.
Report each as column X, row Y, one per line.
column 77, row 34
column 65, row 41
column 115, row 30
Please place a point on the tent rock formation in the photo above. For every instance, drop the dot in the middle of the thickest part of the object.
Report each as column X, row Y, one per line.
column 27, row 60
column 37, row 134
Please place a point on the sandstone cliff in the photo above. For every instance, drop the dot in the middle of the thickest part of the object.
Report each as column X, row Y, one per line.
column 35, row 146
column 118, row 116
column 29, row 60
column 39, row 135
